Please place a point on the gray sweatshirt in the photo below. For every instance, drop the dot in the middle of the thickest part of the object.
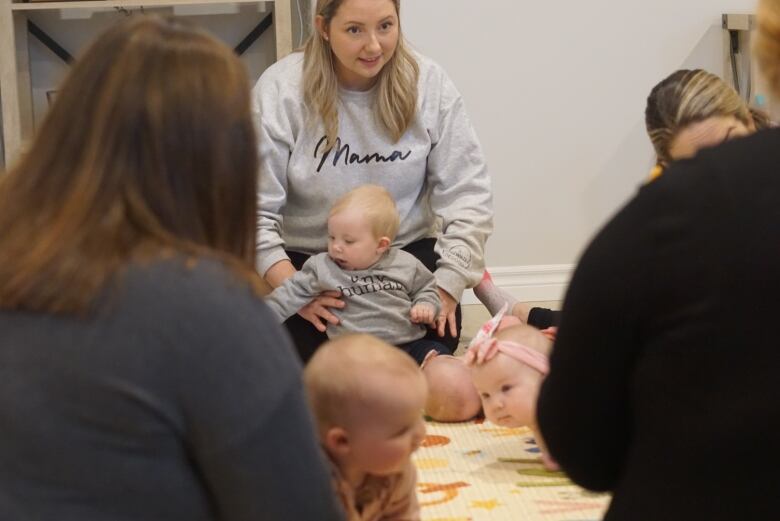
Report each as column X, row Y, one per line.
column 178, row 398
column 378, row 299
column 435, row 171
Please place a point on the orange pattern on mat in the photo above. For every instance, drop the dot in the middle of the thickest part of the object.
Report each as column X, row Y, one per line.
column 449, row 491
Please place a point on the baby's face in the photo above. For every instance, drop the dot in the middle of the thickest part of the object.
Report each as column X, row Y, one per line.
column 351, row 242
column 508, row 390
column 391, row 429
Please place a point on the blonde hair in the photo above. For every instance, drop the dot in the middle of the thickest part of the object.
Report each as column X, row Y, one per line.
column 377, row 206
column 766, row 44
column 686, row 97
column 396, row 98
column 527, row 335
column 452, row 396
column 342, row 377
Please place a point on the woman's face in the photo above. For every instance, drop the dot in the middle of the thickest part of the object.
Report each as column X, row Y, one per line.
column 363, row 35
column 707, row 133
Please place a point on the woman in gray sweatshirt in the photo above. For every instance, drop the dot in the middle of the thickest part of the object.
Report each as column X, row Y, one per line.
column 356, row 107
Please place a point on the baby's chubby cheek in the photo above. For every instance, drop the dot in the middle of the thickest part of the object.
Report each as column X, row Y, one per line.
column 521, row 415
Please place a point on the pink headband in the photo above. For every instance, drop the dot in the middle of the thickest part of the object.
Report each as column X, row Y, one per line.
column 484, row 347
column 488, row 349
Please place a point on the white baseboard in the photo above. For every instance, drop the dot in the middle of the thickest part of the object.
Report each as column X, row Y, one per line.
column 529, row 283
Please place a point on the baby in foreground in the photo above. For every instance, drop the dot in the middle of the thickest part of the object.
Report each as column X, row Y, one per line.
column 367, row 398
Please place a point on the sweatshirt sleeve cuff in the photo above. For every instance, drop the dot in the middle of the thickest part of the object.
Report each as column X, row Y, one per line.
column 451, row 282
column 434, row 303
column 269, row 258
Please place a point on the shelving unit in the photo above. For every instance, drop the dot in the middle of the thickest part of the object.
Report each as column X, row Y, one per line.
column 15, row 85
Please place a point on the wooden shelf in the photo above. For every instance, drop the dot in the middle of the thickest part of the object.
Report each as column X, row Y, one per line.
column 97, row 4
column 15, row 84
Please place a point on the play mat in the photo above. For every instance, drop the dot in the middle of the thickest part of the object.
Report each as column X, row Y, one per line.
column 476, row 471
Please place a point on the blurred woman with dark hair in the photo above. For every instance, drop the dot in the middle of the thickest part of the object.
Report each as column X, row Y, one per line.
column 141, row 376
column 672, row 401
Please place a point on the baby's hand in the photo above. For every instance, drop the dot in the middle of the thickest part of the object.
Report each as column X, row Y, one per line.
column 423, row 313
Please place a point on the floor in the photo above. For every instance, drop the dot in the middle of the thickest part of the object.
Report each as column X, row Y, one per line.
column 475, row 471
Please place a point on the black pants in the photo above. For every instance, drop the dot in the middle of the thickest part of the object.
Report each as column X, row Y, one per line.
column 542, row 318
column 306, row 337
column 419, row 349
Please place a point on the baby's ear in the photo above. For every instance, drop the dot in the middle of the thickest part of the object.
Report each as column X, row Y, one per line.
column 336, row 441
column 384, row 244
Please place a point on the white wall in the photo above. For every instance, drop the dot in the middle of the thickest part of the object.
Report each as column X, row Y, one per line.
column 556, row 91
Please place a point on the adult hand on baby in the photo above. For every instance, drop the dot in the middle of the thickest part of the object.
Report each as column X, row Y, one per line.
column 423, row 313
column 317, row 311
column 447, row 314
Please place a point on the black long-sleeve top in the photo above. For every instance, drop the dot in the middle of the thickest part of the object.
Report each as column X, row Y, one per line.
column 672, row 401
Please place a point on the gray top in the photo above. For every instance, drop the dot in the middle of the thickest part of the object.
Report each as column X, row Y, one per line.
column 378, row 299
column 436, row 170
column 181, row 399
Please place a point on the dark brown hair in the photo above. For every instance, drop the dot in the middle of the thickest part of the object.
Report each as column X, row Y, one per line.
column 148, row 150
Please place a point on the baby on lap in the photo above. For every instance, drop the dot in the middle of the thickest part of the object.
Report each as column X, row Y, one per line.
column 388, row 292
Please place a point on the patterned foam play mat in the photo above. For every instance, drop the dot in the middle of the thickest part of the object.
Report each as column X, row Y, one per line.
column 476, row 471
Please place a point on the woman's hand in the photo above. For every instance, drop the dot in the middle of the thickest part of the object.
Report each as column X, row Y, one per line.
column 447, row 314
column 317, row 311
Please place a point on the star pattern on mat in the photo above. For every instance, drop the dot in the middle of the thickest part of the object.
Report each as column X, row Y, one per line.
column 487, row 504
column 490, row 476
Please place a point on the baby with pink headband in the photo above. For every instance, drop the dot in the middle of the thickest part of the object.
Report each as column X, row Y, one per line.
column 452, row 396
column 508, row 365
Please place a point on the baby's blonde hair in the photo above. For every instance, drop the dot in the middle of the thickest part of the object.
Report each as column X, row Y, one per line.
column 527, row 335
column 345, row 375
column 452, row 396
column 376, row 204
